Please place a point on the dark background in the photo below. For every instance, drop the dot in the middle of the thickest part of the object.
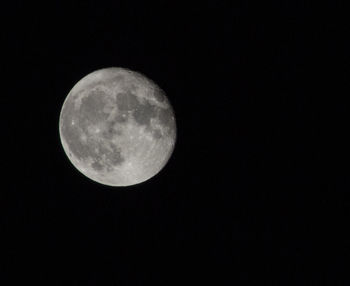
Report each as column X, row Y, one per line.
column 257, row 189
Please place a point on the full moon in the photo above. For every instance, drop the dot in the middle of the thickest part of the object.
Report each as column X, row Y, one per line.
column 117, row 127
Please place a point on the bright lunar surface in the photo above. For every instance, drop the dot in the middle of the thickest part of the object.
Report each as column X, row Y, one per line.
column 117, row 127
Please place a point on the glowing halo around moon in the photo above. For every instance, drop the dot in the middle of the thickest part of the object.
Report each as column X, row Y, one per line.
column 117, row 127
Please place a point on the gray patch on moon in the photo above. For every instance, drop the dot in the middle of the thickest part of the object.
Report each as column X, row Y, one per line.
column 159, row 95
column 91, row 107
column 157, row 134
column 126, row 101
column 111, row 130
column 144, row 113
column 121, row 118
column 165, row 117
column 115, row 79
column 167, row 120
column 115, row 157
column 97, row 166
column 73, row 139
column 91, row 111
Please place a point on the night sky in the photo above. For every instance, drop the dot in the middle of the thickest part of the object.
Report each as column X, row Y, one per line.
column 257, row 189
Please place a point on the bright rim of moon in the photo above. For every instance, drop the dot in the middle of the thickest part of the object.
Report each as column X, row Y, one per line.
column 117, row 127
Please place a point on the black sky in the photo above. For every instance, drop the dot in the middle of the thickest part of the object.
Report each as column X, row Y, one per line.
column 257, row 189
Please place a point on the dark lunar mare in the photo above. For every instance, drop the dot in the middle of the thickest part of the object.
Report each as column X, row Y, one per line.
column 90, row 112
column 144, row 112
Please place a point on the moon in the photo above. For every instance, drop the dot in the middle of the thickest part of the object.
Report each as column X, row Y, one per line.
column 117, row 127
